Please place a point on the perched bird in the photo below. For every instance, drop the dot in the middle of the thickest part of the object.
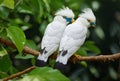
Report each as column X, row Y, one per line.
column 53, row 34
column 73, row 37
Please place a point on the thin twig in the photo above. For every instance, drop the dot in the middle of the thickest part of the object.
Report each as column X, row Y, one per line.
column 19, row 73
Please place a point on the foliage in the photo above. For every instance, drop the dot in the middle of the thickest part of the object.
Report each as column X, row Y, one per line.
column 44, row 74
column 7, row 3
column 17, row 36
column 5, row 63
column 24, row 22
column 88, row 46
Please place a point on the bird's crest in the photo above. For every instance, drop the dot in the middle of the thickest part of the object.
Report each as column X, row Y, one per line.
column 88, row 14
column 65, row 12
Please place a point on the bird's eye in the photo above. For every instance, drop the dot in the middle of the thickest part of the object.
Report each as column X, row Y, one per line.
column 88, row 20
column 64, row 17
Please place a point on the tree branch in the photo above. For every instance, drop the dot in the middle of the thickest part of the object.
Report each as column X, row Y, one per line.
column 19, row 73
column 75, row 58
column 103, row 58
column 25, row 49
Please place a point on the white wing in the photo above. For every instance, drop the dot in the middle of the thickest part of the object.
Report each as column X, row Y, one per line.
column 51, row 39
column 74, row 36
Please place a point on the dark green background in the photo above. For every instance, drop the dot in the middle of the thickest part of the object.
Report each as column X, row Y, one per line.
column 32, row 16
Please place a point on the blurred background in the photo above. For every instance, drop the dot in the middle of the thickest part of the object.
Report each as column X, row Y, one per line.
column 32, row 16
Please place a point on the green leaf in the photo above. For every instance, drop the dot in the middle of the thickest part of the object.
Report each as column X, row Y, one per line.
column 40, row 8
column 45, row 74
column 89, row 43
column 51, row 62
column 56, row 5
column 3, row 74
column 1, row 28
column 2, row 51
column 50, row 18
column 99, row 32
column 33, row 61
column 3, row 33
column 82, row 51
column 113, row 73
column 13, row 70
column 94, row 49
column 5, row 63
column 94, row 71
column 16, row 21
column 25, row 9
column 47, row 5
column 17, row 36
column 40, row 11
column 4, row 12
column 31, row 44
column 8, row 3
column 83, row 63
column 91, row 47
column 20, row 56
column 43, row 27
column 1, row 1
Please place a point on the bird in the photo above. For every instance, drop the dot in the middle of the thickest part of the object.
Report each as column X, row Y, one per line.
column 73, row 38
column 53, row 34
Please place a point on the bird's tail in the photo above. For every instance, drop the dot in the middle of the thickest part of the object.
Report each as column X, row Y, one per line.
column 62, row 67
column 59, row 65
column 40, row 62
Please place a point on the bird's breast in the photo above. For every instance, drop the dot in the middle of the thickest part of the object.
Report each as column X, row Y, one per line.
column 76, row 32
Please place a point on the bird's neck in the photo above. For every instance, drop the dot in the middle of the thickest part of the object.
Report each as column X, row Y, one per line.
column 60, row 19
column 82, row 21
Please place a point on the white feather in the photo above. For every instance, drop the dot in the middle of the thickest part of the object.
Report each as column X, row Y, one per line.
column 53, row 33
column 74, row 36
column 72, row 39
column 65, row 12
column 51, row 38
column 88, row 14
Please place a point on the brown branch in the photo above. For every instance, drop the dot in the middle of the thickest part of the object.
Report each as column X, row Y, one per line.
column 79, row 58
column 25, row 49
column 104, row 58
column 75, row 58
column 19, row 73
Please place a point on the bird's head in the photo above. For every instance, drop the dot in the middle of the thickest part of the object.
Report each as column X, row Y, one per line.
column 67, row 14
column 89, row 16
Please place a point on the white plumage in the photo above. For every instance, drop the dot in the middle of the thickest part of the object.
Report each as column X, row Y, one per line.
column 74, row 35
column 54, row 32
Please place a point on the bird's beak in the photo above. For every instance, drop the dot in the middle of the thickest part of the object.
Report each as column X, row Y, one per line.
column 93, row 24
column 73, row 20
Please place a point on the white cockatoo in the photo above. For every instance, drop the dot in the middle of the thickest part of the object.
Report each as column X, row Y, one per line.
column 73, row 37
column 53, row 34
